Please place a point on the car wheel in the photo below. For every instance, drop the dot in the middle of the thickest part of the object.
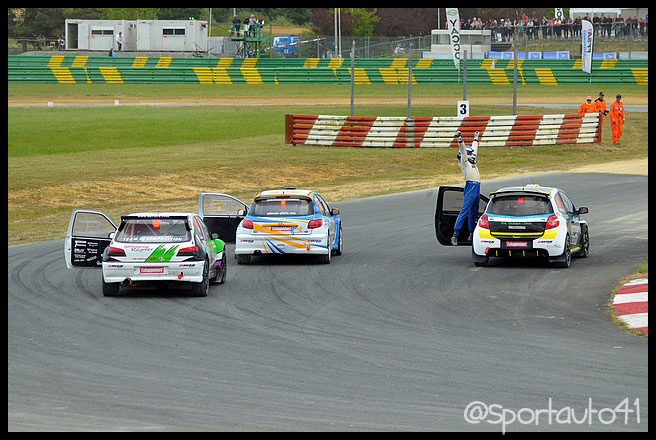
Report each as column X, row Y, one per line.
column 340, row 243
column 202, row 288
column 325, row 258
column 585, row 243
column 110, row 289
column 224, row 266
column 480, row 261
column 567, row 255
column 243, row 259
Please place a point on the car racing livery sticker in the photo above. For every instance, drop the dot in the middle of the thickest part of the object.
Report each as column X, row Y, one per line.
column 87, row 252
column 160, row 254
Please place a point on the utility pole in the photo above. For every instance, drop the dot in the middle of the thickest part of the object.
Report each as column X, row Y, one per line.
column 210, row 34
column 409, row 82
column 339, row 28
column 335, row 53
column 515, row 73
column 464, row 75
column 352, row 74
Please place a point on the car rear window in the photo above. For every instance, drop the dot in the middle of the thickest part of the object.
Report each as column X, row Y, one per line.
column 520, row 205
column 281, row 207
column 153, row 230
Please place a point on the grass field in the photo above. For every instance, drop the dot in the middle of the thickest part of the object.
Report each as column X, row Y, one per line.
column 130, row 158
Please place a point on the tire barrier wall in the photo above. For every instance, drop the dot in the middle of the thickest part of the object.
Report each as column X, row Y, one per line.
column 136, row 70
column 495, row 131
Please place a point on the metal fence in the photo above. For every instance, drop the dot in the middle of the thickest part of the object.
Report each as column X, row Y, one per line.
column 610, row 38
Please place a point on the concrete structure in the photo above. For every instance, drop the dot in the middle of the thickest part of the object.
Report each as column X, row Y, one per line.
column 475, row 42
column 138, row 35
column 608, row 12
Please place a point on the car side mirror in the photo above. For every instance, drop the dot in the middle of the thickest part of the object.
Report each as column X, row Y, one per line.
column 111, row 235
column 334, row 211
column 241, row 213
column 582, row 210
column 215, row 236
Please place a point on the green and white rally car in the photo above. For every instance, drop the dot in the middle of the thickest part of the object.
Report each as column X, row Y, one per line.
column 155, row 247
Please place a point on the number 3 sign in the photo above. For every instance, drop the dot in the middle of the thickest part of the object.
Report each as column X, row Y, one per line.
column 463, row 109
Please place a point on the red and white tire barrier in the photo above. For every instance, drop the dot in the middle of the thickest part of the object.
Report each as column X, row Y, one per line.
column 376, row 131
column 630, row 304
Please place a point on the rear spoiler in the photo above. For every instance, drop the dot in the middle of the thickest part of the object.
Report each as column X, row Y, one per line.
column 519, row 193
column 142, row 217
column 161, row 217
column 286, row 196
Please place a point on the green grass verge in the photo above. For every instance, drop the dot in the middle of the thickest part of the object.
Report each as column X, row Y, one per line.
column 439, row 91
column 124, row 159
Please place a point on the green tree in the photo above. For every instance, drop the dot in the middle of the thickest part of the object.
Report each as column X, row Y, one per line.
column 128, row 13
column 364, row 22
column 39, row 22
column 182, row 13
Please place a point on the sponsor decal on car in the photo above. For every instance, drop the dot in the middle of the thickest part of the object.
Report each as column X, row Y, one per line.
column 147, row 270
column 517, row 244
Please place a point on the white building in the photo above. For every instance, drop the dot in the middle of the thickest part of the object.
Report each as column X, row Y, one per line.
column 138, row 35
column 608, row 12
column 475, row 41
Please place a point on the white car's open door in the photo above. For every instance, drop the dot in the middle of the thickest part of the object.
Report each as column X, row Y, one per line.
column 449, row 202
column 88, row 234
column 221, row 213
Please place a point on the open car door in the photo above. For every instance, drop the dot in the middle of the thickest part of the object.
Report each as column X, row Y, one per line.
column 449, row 202
column 221, row 213
column 88, row 234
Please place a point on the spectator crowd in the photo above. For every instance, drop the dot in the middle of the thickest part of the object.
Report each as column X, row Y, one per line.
column 554, row 28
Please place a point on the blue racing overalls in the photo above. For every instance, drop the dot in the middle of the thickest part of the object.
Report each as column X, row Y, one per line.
column 467, row 161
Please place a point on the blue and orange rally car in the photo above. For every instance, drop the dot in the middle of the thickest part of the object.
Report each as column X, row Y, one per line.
column 289, row 221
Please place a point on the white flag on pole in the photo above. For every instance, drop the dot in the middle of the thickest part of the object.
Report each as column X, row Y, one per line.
column 587, row 40
column 453, row 24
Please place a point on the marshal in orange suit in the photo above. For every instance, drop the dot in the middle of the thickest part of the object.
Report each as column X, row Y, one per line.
column 616, row 118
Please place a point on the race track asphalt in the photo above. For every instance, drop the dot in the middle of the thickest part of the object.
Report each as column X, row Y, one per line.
column 398, row 333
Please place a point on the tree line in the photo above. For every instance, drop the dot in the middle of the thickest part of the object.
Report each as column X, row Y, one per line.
column 393, row 22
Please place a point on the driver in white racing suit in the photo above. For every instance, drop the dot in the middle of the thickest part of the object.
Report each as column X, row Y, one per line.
column 469, row 211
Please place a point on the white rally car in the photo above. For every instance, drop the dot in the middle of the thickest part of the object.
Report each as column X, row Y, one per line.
column 156, row 247
column 289, row 221
column 523, row 221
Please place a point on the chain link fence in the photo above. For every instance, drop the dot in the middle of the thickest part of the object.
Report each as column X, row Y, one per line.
column 608, row 38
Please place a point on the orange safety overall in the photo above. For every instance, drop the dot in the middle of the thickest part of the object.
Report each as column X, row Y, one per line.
column 587, row 108
column 601, row 107
column 616, row 120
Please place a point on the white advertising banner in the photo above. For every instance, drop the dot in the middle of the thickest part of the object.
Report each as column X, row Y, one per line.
column 453, row 22
column 587, row 40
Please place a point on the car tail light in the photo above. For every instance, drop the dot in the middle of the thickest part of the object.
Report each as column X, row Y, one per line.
column 552, row 222
column 115, row 252
column 188, row 251
column 484, row 222
column 314, row 224
column 247, row 224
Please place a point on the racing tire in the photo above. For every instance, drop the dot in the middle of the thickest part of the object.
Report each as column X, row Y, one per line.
column 340, row 243
column 480, row 261
column 202, row 288
column 243, row 259
column 585, row 243
column 566, row 257
column 325, row 258
column 224, row 267
column 110, row 289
